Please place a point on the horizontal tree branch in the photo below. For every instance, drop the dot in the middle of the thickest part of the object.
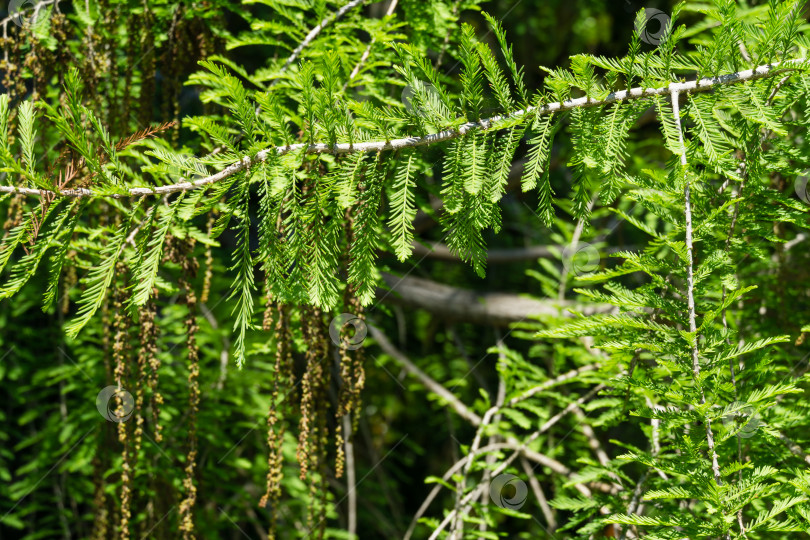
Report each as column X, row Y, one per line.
column 489, row 308
column 442, row 252
column 698, row 85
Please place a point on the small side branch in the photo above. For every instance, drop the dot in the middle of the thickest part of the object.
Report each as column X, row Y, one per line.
column 329, row 19
column 429, row 383
column 364, row 57
column 690, row 287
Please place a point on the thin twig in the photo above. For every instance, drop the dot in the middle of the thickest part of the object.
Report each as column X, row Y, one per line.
column 534, row 456
column 226, row 346
column 596, row 446
column 431, row 385
column 351, row 478
column 690, row 290
column 500, row 396
column 364, row 57
column 462, row 506
column 446, row 42
column 573, row 251
column 794, row 448
column 537, row 489
column 310, row 37
column 556, row 466
column 519, row 449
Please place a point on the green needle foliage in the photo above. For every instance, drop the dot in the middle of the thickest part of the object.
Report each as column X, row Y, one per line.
column 313, row 164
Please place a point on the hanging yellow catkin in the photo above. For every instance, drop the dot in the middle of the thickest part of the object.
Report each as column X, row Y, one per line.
column 189, row 270
column 313, row 436
column 120, row 349
column 69, row 280
column 147, row 348
column 319, row 489
column 344, row 402
column 101, row 518
column 345, row 398
column 209, row 264
column 15, row 213
column 34, row 64
column 358, row 378
column 304, row 450
column 148, row 61
column 149, row 335
column 156, row 398
column 276, row 425
column 13, row 57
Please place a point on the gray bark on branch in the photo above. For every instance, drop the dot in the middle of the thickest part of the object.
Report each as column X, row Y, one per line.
column 490, row 308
